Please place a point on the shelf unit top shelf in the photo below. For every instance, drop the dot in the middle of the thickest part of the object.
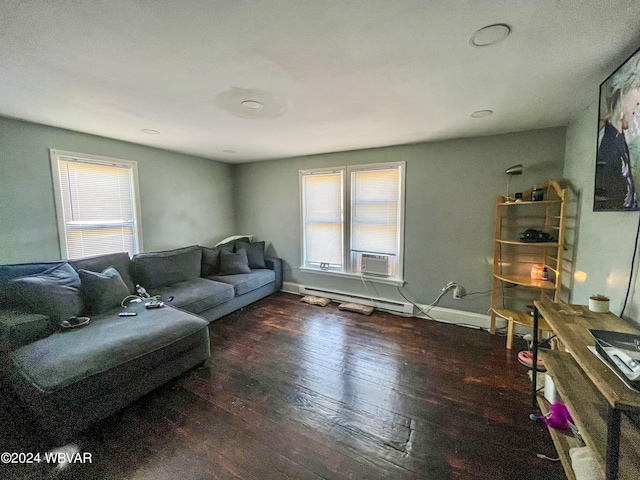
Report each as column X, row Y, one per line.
column 571, row 323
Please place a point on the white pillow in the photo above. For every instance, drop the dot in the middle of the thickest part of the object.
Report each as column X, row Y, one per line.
column 234, row 237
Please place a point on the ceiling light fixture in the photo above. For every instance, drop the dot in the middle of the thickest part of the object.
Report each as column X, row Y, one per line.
column 489, row 35
column 252, row 105
column 149, row 131
column 481, row 113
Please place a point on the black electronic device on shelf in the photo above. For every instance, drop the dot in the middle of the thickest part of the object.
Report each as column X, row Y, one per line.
column 532, row 235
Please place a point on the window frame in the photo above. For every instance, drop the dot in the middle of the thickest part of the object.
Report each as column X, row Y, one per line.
column 62, row 155
column 349, row 268
column 321, row 171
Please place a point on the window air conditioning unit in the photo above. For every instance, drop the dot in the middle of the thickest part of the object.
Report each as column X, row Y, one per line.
column 375, row 264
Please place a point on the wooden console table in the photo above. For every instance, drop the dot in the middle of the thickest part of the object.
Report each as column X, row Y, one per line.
column 593, row 394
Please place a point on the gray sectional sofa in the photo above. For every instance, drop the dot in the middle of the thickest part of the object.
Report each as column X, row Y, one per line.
column 70, row 378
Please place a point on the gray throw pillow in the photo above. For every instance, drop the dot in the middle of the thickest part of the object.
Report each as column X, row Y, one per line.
column 255, row 253
column 234, row 263
column 210, row 261
column 54, row 292
column 102, row 291
column 120, row 261
column 158, row 269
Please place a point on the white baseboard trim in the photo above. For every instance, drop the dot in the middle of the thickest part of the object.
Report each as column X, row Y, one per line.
column 441, row 314
column 290, row 287
column 383, row 304
column 459, row 317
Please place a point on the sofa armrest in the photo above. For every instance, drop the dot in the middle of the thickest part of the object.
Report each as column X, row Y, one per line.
column 275, row 264
column 18, row 328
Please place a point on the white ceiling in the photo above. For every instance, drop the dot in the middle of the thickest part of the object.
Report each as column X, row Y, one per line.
column 333, row 75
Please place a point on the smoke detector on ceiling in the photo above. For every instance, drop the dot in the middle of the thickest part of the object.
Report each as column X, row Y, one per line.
column 251, row 103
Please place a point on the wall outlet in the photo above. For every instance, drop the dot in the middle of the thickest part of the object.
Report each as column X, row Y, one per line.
column 458, row 292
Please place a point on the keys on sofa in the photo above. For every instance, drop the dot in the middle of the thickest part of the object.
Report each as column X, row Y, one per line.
column 154, row 304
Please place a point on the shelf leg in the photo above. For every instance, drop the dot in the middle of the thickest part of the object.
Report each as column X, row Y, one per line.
column 613, row 442
column 510, row 333
column 534, row 369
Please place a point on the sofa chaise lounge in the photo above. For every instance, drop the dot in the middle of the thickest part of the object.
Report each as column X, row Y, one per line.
column 70, row 378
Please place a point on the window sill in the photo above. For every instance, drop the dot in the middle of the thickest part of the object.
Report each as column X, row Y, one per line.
column 355, row 276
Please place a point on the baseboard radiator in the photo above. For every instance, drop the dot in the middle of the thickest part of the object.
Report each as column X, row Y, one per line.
column 404, row 308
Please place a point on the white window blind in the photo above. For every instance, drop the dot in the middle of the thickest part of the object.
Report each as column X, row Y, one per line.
column 322, row 204
column 97, row 206
column 375, row 208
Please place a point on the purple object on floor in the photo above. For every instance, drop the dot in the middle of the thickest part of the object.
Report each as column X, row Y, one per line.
column 558, row 417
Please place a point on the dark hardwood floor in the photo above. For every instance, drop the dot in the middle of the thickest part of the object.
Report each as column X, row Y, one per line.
column 294, row 391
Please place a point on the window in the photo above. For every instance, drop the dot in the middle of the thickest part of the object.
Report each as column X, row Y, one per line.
column 323, row 219
column 96, row 203
column 349, row 212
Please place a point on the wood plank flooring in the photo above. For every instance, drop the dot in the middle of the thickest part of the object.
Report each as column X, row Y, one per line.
column 294, row 391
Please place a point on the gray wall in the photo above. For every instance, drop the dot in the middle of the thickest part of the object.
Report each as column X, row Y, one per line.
column 450, row 208
column 451, row 190
column 184, row 200
column 603, row 241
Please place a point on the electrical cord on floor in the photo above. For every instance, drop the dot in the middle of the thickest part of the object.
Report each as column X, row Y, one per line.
column 430, row 306
column 477, row 293
column 365, row 286
column 633, row 261
column 544, row 457
column 433, row 304
column 367, row 289
column 547, row 340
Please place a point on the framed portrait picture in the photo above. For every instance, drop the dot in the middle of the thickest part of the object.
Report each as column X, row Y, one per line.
column 617, row 180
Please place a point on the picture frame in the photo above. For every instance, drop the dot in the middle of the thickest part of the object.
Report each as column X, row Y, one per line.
column 617, row 172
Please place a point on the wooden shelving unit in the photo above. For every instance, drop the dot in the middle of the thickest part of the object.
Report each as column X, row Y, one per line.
column 593, row 394
column 513, row 258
